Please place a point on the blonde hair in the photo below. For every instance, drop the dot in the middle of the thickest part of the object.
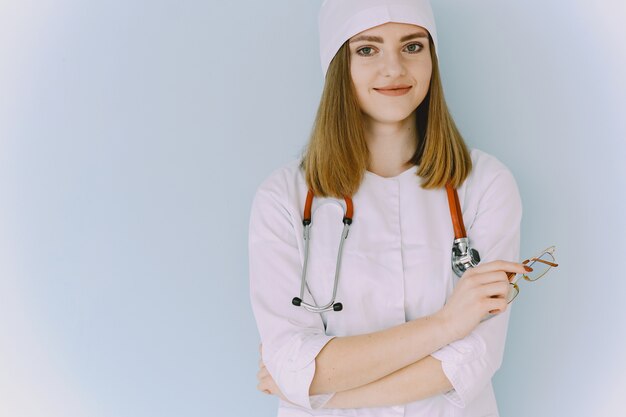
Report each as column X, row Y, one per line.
column 336, row 156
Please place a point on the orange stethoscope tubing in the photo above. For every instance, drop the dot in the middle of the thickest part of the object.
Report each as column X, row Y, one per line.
column 463, row 256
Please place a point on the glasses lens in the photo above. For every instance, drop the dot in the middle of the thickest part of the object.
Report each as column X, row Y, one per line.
column 540, row 266
column 513, row 291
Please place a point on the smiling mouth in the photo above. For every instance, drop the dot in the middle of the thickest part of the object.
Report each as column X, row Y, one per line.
column 394, row 91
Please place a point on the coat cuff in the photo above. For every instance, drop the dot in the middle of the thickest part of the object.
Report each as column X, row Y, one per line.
column 318, row 401
column 296, row 368
column 455, row 358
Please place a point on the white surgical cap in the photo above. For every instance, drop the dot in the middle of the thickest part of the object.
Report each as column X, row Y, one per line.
column 339, row 20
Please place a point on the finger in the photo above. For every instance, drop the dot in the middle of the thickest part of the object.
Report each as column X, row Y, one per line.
column 495, row 290
column 263, row 387
column 263, row 377
column 497, row 305
column 486, row 278
column 499, row 265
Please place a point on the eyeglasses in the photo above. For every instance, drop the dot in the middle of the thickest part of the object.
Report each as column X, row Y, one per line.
column 540, row 263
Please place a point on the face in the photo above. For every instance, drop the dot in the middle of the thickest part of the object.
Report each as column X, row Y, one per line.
column 390, row 55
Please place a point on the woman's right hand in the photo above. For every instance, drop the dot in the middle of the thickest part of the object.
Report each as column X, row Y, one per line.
column 480, row 290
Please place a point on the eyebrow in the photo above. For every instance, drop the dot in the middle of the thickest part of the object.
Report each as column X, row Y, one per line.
column 378, row 39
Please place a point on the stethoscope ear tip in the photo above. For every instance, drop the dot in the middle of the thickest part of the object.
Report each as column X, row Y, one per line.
column 337, row 306
column 296, row 301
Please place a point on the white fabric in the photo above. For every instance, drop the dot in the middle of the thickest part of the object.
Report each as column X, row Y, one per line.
column 395, row 268
column 339, row 20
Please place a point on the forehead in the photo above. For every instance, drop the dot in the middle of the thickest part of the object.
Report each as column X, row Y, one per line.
column 391, row 30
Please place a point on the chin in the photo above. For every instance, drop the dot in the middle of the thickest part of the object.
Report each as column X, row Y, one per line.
column 390, row 117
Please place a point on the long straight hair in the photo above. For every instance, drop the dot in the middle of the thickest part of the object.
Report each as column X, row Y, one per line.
column 336, row 156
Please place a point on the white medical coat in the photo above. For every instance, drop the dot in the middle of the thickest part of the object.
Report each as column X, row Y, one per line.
column 395, row 268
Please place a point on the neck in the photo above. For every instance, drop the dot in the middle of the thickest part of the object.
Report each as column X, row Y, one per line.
column 391, row 145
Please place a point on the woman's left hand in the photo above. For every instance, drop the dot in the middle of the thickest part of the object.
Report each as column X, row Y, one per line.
column 266, row 382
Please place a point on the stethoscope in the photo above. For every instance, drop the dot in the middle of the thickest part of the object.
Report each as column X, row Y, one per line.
column 463, row 255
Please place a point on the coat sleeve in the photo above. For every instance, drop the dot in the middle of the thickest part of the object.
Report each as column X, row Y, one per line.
column 291, row 336
column 471, row 362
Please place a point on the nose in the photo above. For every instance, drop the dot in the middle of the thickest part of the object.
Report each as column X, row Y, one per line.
column 392, row 64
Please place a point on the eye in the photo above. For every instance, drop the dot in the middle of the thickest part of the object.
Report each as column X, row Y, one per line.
column 365, row 51
column 413, row 48
column 418, row 48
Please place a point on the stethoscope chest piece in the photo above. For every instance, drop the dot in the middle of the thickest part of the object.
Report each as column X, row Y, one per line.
column 463, row 256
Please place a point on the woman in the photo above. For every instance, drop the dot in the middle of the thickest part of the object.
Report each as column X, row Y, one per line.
column 411, row 338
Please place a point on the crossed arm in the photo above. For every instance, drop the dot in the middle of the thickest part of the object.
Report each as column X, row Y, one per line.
column 377, row 383
column 422, row 379
column 350, row 368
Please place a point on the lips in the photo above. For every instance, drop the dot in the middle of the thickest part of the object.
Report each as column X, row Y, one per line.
column 394, row 90
column 394, row 87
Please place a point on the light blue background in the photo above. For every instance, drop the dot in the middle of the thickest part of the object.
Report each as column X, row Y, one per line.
column 134, row 134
